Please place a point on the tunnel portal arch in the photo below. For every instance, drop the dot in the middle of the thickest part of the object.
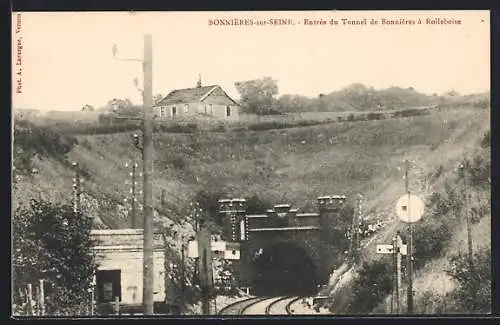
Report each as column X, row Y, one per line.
column 283, row 268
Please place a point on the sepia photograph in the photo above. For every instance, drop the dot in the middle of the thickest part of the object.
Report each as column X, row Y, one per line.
column 237, row 163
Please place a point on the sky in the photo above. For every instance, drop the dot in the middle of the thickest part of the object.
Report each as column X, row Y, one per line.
column 66, row 58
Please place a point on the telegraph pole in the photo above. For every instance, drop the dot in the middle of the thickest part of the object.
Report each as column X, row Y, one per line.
column 464, row 167
column 354, row 242
column 205, row 274
column 76, row 189
column 133, row 199
column 183, row 273
column 147, row 157
column 409, row 256
column 134, row 221
column 397, row 243
column 147, row 165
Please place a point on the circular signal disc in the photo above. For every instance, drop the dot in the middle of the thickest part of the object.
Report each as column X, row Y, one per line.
column 410, row 208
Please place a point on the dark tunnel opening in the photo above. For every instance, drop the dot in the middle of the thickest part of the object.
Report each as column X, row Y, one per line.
column 284, row 269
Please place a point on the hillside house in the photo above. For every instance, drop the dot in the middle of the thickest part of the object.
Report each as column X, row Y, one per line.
column 201, row 101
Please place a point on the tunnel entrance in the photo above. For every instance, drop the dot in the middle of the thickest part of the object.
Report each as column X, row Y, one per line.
column 284, row 269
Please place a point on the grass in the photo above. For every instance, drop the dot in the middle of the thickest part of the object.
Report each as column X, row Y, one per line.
column 295, row 164
column 292, row 165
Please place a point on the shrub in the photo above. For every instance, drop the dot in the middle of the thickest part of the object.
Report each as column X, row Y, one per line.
column 219, row 128
column 361, row 117
column 473, row 294
column 374, row 116
column 31, row 140
column 179, row 162
column 481, row 104
column 267, row 126
column 209, row 203
column 486, row 140
column 373, row 283
column 479, row 172
column 257, row 205
column 430, row 237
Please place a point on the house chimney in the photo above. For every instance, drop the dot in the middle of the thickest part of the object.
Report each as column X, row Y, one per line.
column 198, row 84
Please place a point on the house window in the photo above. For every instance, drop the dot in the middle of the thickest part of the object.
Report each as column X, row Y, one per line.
column 211, row 110
column 228, row 111
column 162, row 111
column 174, row 111
column 186, row 109
column 205, row 109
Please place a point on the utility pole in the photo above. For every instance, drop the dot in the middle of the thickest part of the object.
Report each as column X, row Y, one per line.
column 409, row 256
column 183, row 274
column 354, row 241
column 467, row 216
column 133, row 199
column 147, row 157
column 76, row 189
column 147, row 165
column 204, row 239
column 133, row 211
column 397, row 243
column 42, row 298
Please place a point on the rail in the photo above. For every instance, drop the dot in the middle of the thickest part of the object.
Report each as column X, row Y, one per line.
column 289, row 305
column 268, row 308
column 239, row 307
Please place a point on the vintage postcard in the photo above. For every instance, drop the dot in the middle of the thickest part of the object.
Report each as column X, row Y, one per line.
column 251, row 163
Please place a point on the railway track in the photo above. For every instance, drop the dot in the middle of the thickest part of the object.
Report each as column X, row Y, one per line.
column 239, row 307
column 261, row 306
column 288, row 306
column 282, row 306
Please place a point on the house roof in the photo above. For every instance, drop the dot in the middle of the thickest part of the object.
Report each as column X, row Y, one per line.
column 189, row 95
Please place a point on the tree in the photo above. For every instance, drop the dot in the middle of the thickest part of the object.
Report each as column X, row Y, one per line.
column 294, row 103
column 157, row 98
column 122, row 107
column 257, row 96
column 52, row 242
column 118, row 104
column 87, row 108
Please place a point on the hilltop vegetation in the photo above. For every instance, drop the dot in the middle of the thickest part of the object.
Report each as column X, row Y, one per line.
column 261, row 96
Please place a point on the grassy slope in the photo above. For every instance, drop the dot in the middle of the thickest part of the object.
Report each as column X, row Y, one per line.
column 294, row 165
column 432, row 278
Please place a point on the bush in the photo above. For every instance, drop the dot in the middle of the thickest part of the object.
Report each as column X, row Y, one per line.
column 179, row 162
column 473, row 294
column 486, row 140
column 31, row 140
column 479, row 172
column 372, row 285
column 430, row 237
column 433, row 233
column 481, row 104
column 374, row 116
column 361, row 117
column 179, row 128
column 257, row 205
column 209, row 203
